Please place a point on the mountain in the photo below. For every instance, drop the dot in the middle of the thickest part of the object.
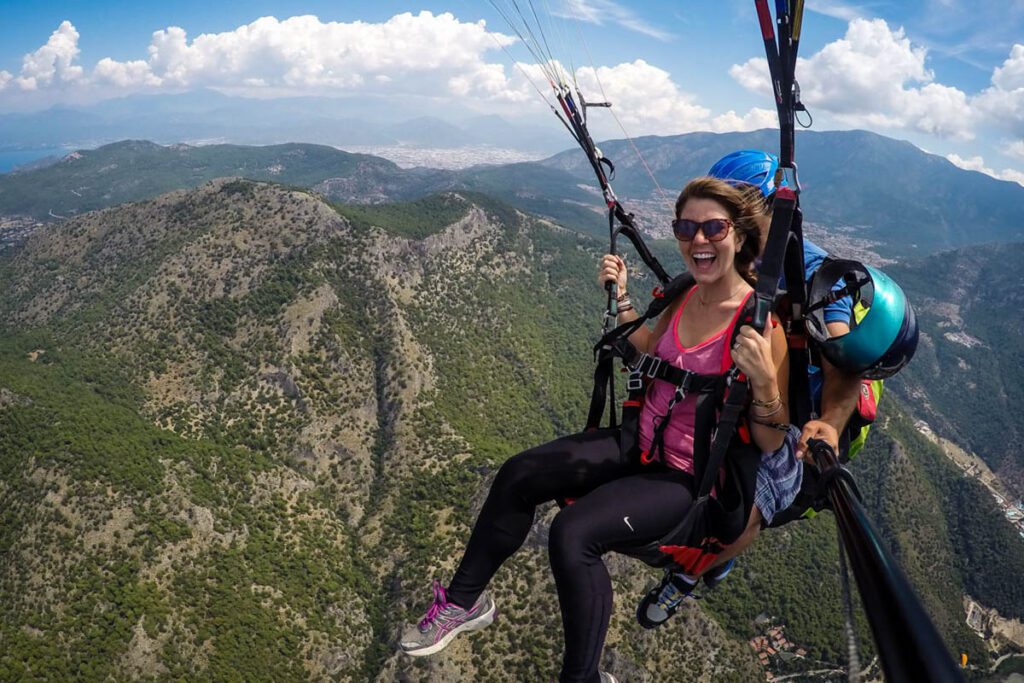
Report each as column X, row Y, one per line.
column 212, row 116
column 430, row 132
column 243, row 418
column 850, row 202
column 133, row 170
column 910, row 202
column 967, row 379
column 241, row 428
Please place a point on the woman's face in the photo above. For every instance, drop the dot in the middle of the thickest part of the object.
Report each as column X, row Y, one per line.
column 708, row 261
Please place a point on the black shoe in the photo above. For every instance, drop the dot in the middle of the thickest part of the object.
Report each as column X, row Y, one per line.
column 662, row 601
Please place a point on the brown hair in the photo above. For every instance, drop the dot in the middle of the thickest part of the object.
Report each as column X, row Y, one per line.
column 746, row 209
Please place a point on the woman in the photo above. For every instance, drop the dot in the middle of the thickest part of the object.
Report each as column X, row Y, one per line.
column 620, row 503
column 780, row 475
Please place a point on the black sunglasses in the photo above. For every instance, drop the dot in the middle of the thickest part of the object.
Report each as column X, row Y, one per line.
column 714, row 230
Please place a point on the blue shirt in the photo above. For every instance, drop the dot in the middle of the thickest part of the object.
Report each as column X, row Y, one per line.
column 840, row 311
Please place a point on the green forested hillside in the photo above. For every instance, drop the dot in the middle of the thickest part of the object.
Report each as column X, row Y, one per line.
column 846, row 174
column 137, row 551
column 970, row 364
column 134, row 170
column 241, row 429
column 848, row 181
column 311, row 406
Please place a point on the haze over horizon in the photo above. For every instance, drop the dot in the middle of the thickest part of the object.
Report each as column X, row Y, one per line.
column 946, row 76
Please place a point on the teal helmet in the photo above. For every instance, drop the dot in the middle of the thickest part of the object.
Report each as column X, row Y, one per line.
column 883, row 333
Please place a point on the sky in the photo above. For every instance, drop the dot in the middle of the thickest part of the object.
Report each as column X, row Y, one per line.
column 947, row 75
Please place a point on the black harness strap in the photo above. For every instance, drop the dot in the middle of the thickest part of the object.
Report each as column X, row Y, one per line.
column 784, row 250
column 793, row 313
column 615, row 344
column 688, row 383
column 628, row 228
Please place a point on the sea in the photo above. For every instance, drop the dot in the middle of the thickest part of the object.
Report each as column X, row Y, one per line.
column 12, row 158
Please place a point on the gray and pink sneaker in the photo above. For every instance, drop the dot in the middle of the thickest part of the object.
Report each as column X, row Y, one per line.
column 445, row 620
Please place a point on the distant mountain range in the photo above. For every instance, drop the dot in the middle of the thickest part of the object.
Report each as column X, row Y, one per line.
column 888, row 194
column 211, row 116
column 133, row 170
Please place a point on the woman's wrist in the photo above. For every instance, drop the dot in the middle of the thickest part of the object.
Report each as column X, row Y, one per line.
column 775, row 400
column 623, row 303
column 764, row 392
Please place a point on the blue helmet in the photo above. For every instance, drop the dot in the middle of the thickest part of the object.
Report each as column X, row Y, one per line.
column 749, row 166
column 883, row 334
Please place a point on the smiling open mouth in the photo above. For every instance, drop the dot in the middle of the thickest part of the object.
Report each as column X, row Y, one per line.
column 704, row 260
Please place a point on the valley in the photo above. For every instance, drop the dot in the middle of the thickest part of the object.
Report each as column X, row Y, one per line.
column 256, row 420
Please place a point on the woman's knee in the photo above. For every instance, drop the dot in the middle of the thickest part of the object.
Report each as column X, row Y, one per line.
column 516, row 474
column 569, row 537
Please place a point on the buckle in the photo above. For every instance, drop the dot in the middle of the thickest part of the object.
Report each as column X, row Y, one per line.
column 635, row 381
column 655, row 365
column 684, row 386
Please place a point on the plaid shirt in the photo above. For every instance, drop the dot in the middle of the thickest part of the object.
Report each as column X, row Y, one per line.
column 779, row 477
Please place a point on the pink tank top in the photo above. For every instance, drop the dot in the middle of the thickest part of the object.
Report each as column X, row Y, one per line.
column 710, row 357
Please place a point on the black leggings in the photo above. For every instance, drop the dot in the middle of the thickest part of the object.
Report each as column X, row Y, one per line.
column 619, row 505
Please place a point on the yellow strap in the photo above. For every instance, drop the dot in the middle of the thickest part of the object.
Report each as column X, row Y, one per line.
column 798, row 18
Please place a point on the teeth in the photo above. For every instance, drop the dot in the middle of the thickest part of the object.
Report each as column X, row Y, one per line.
column 703, row 257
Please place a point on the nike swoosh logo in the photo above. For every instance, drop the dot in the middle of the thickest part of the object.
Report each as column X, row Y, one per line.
column 626, row 520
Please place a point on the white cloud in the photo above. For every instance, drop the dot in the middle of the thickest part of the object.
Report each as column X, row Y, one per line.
column 423, row 54
column 1010, row 76
column 133, row 74
column 599, row 11
column 977, row 163
column 648, row 102
column 52, row 61
column 1003, row 102
column 755, row 119
column 1016, row 149
column 646, row 99
column 302, row 53
column 753, row 75
column 873, row 77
